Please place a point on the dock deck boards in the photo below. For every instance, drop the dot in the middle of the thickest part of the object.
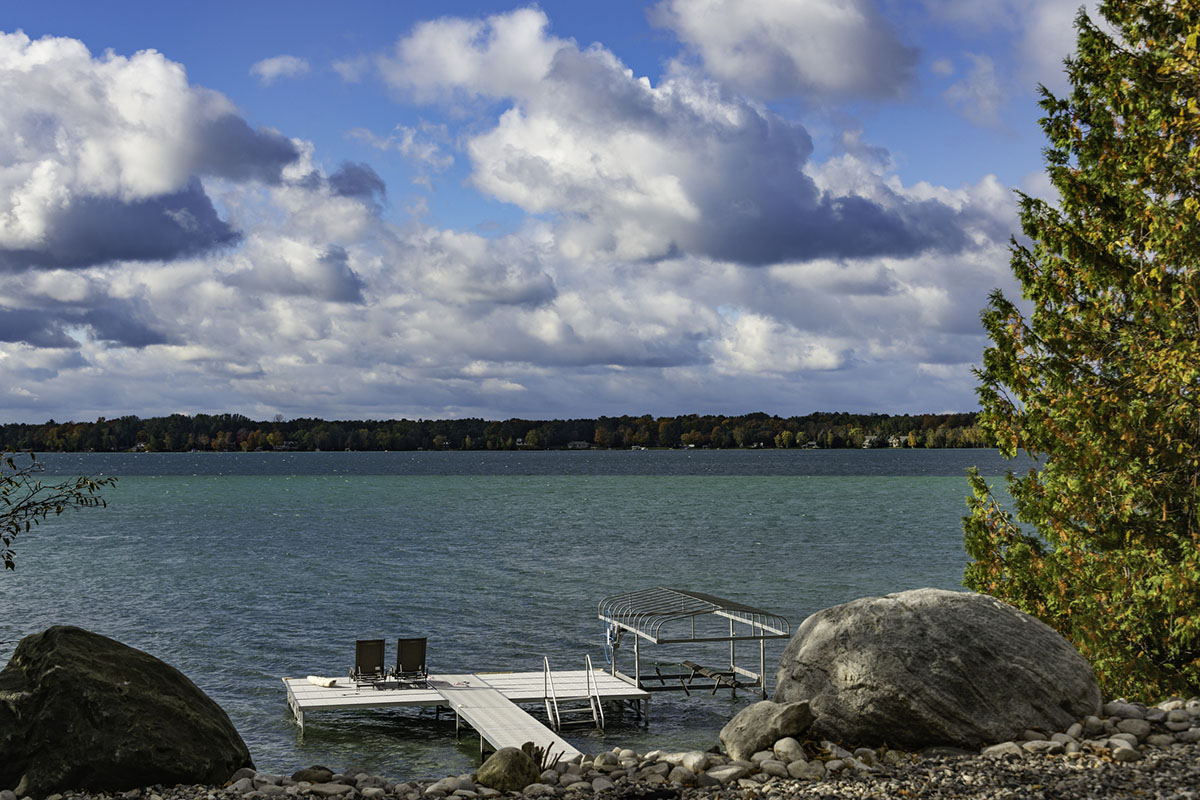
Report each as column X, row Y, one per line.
column 487, row 701
column 499, row 720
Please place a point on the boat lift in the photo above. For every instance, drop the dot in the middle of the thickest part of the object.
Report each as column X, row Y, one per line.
column 669, row 616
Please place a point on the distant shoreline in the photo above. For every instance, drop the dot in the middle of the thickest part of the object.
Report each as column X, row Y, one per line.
column 182, row 433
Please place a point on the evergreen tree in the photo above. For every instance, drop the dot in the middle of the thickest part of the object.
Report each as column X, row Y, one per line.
column 1101, row 383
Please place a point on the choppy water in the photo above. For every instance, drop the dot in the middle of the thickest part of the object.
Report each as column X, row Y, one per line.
column 242, row 568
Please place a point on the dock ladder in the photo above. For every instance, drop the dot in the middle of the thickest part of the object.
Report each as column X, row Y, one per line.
column 573, row 705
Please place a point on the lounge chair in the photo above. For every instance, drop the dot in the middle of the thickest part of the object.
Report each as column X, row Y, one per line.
column 410, row 668
column 368, row 662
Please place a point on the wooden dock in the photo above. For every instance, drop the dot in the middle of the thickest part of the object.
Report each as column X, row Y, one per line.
column 485, row 701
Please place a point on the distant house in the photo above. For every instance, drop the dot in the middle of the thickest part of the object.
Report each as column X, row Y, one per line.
column 811, row 444
column 869, row 442
column 580, row 445
column 895, row 440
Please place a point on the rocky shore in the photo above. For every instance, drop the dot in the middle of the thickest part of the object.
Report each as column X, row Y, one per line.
column 1130, row 750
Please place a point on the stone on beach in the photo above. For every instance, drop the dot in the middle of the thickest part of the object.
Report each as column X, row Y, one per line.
column 932, row 667
column 760, row 725
column 788, row 750
column 508, row 770
column 81, row 711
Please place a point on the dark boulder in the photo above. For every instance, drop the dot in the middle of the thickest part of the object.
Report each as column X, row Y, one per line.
column 81, row 711
column 931, row 667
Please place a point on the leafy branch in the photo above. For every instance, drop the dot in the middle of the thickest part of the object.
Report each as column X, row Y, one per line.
column 26, row 501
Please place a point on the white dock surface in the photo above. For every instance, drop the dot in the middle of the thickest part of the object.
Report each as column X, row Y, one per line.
column 499, row 720
column 487, row 701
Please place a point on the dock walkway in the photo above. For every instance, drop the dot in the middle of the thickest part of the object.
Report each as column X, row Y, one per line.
column 499, row 721
column 486, row 701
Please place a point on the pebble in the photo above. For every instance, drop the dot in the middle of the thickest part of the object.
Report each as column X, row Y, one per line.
column 1133, row 750
column 1138, row 727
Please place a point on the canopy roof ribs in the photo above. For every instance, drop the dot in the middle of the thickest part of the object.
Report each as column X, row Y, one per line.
column 645, row 612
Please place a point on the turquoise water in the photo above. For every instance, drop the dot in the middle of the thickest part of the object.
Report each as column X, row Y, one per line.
column 241, row 569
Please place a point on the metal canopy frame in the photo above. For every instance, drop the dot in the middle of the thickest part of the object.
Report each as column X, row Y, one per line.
column 662, row 615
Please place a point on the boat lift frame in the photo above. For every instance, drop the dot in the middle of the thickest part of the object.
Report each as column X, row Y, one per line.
column 668, row 616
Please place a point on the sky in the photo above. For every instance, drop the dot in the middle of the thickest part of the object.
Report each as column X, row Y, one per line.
column 372, row 210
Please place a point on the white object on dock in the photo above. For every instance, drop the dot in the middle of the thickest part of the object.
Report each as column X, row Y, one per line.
column 324, row 683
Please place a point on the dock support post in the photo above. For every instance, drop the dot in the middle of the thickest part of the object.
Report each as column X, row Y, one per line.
column 637, row 664
column 732, row 662
column 762, row 666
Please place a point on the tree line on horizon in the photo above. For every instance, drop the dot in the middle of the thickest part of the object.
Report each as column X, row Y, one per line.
column 234, row 432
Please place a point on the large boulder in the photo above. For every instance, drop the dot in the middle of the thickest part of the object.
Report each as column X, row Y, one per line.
column 932, row 667
column 509, row 769
column 81, row 711
column 759, row 725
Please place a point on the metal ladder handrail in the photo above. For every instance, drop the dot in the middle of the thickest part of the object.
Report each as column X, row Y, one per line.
column 550, row 697
column 593, row 690
column 591, row 687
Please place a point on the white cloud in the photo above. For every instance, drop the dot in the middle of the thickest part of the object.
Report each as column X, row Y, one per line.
column 508, row 54
column 753, row 343
column 767, row 48
column 627, row 284
column 272, row 69
column 635, row 171
column 102, row 156
column 979, row 94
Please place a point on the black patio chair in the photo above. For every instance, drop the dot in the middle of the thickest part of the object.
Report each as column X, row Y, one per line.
column 369, row 666
column 410, row 670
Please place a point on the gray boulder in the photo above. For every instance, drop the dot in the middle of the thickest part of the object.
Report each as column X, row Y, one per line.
column 81, row 711
column 759, row 725
column 931, row 667
column 508, row 769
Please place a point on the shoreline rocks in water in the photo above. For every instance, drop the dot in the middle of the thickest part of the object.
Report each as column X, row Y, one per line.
column 1128, row 749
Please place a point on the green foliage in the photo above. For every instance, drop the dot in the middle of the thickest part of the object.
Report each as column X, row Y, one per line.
column 25, row 501
column 1101, row 383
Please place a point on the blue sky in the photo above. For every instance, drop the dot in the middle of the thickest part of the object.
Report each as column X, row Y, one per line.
column 369, row 210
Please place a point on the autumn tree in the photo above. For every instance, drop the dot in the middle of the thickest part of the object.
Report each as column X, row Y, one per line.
column 25, row 501
column 1100, row 383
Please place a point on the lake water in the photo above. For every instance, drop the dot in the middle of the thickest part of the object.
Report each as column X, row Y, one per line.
column 242, row 568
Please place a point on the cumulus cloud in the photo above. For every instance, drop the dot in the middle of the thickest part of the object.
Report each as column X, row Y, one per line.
column 272, row 69
column 817, row 48
column 504, row 55
column 117, row 321
column 93, row 230
column 625, row 286
column 642, row 172
column 96, row 148
column 281, row 266
column 355, row 179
